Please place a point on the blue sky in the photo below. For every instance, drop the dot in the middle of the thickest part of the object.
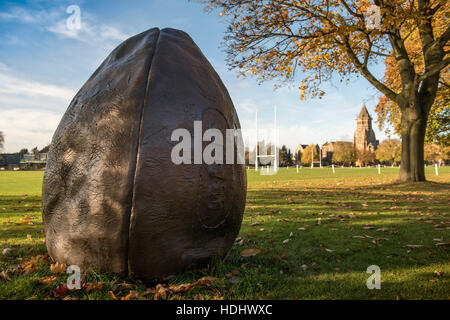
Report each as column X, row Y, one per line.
column 43, row 64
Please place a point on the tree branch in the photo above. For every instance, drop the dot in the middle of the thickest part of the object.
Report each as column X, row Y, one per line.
column 433, row 70
column 367, row 74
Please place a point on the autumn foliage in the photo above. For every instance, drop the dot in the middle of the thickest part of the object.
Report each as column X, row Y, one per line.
column 318, row 39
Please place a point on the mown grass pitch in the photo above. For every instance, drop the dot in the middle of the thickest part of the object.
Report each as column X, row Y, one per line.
column 336, row 225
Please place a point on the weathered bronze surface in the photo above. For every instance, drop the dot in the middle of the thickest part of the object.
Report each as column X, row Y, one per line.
column 112, row 198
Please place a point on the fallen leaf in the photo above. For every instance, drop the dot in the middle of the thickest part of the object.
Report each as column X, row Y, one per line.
column 111, row 294
column 4, row 276
column 250, row 252
column 48, row 280
column 442, row 244
column 93, row 286
column 160, row 292
column 208, row 280
column 414, row 246
column 59, row 290
column 239, row 241
column 58, row 267
column 131, row 295
column 148, row 291
column 6, row 251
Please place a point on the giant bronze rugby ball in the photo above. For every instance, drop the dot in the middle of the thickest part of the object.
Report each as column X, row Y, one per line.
column 113, row 200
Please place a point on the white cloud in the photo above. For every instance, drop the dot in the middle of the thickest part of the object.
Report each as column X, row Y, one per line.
column 110, row 32
column 25, row 128
column 88, row 31
column 30, row 110
column 55, row 21
column 10, row 85
column 19, row 14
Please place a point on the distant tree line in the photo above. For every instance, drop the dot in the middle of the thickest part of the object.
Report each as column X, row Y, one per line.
column 387, row 153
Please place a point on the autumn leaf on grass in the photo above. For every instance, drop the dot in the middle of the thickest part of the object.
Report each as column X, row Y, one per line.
column 442, row 244
column 239, row 241
column 29, row 266
column 111, row 294
column 148, row 292
column 131, row 295
column 4, row 276
column 290, row 200
column 208, row 280
column 58, row 267
column 25, row 220
column 414, row 246
column 123, row 286
column 250, row 252
column 160, row 292
column 98, row 286
column 205, row 281
column 59, row 290
column 48, row 280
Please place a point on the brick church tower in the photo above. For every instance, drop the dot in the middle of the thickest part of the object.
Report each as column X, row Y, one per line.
column 364, row 139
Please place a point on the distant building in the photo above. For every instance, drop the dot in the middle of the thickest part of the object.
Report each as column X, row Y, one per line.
column 299, row 151
column 364, row 139
column 9, row 160
column 34, row 161
column 28, row 161
column 328, row 149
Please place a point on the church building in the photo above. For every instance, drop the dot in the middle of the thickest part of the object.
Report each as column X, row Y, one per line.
column 364, row 139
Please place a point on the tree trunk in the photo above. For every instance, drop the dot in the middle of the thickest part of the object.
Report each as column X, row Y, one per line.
column 412, row 167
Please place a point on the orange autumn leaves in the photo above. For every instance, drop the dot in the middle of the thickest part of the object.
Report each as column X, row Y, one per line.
column 55, row 287
column 279, row 38
column 388, row 112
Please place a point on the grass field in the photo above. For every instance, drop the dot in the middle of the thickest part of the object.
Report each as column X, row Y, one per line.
column 315, row 233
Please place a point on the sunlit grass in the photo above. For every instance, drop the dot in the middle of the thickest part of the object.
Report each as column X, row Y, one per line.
column 340, row 223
